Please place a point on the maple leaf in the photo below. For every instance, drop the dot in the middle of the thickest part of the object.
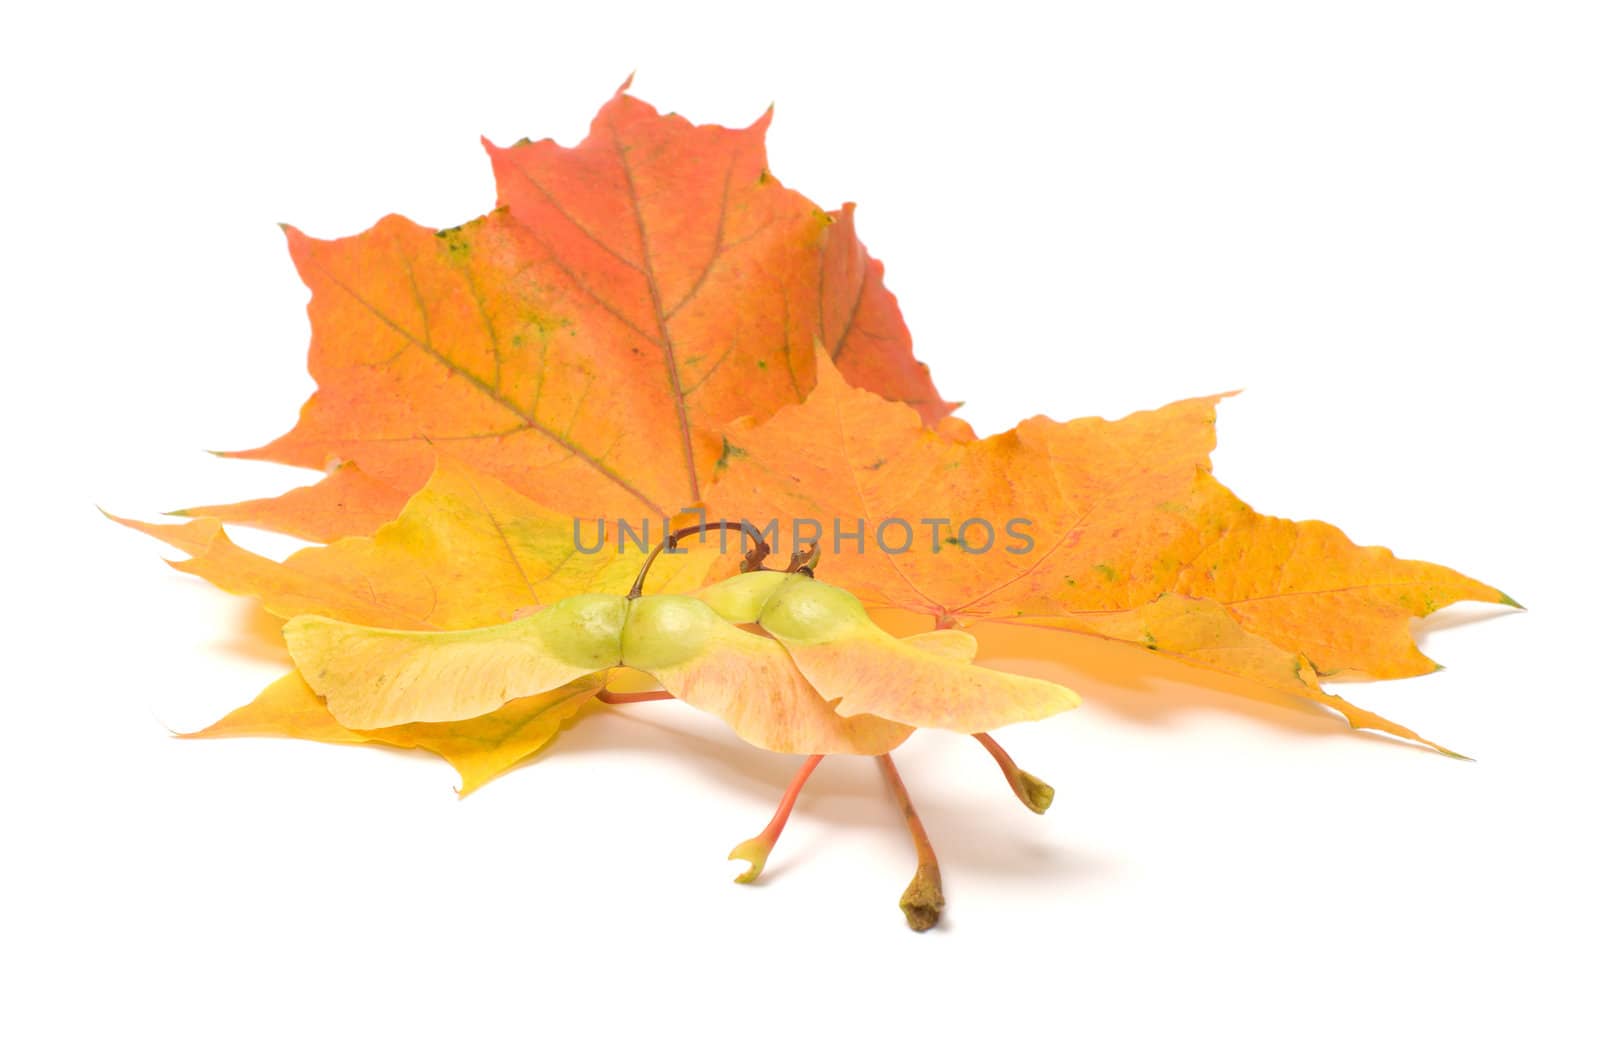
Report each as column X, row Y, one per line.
column 1129, row 538
column 586, row 341
column 479, row 749
column 465, row 551
column 345, row 502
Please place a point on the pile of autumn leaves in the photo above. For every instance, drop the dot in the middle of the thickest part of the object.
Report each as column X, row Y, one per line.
column 650, row 323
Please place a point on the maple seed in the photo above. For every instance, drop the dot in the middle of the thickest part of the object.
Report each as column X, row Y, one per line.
column 923, row 900
column 757, row 849
column 1031, row 790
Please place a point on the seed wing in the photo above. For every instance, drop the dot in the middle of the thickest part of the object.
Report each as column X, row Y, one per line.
column 751, row 683
column 375, row 677
column 923, row 681
column 946, row 642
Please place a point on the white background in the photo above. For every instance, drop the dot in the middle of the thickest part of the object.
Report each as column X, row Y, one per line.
column 1380, row 219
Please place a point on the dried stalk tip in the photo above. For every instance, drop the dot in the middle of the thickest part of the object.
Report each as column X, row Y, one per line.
column 1034, row 792
column 756, row 850
column 923, row 900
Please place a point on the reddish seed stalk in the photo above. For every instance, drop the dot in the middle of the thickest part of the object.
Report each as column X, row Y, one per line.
column 757, row 849
column 614, row 697
column 1033, row 792
column 923, row 900
column 790, row 796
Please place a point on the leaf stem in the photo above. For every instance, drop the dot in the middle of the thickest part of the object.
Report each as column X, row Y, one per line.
column 757, row 849
column 923, row 900
column 743, row 526
column 1032, row 791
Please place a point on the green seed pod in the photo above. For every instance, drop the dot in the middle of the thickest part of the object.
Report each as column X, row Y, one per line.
column 665, row 630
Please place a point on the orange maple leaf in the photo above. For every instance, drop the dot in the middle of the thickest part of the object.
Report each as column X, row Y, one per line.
column 1124, row 535
column 586, row 341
